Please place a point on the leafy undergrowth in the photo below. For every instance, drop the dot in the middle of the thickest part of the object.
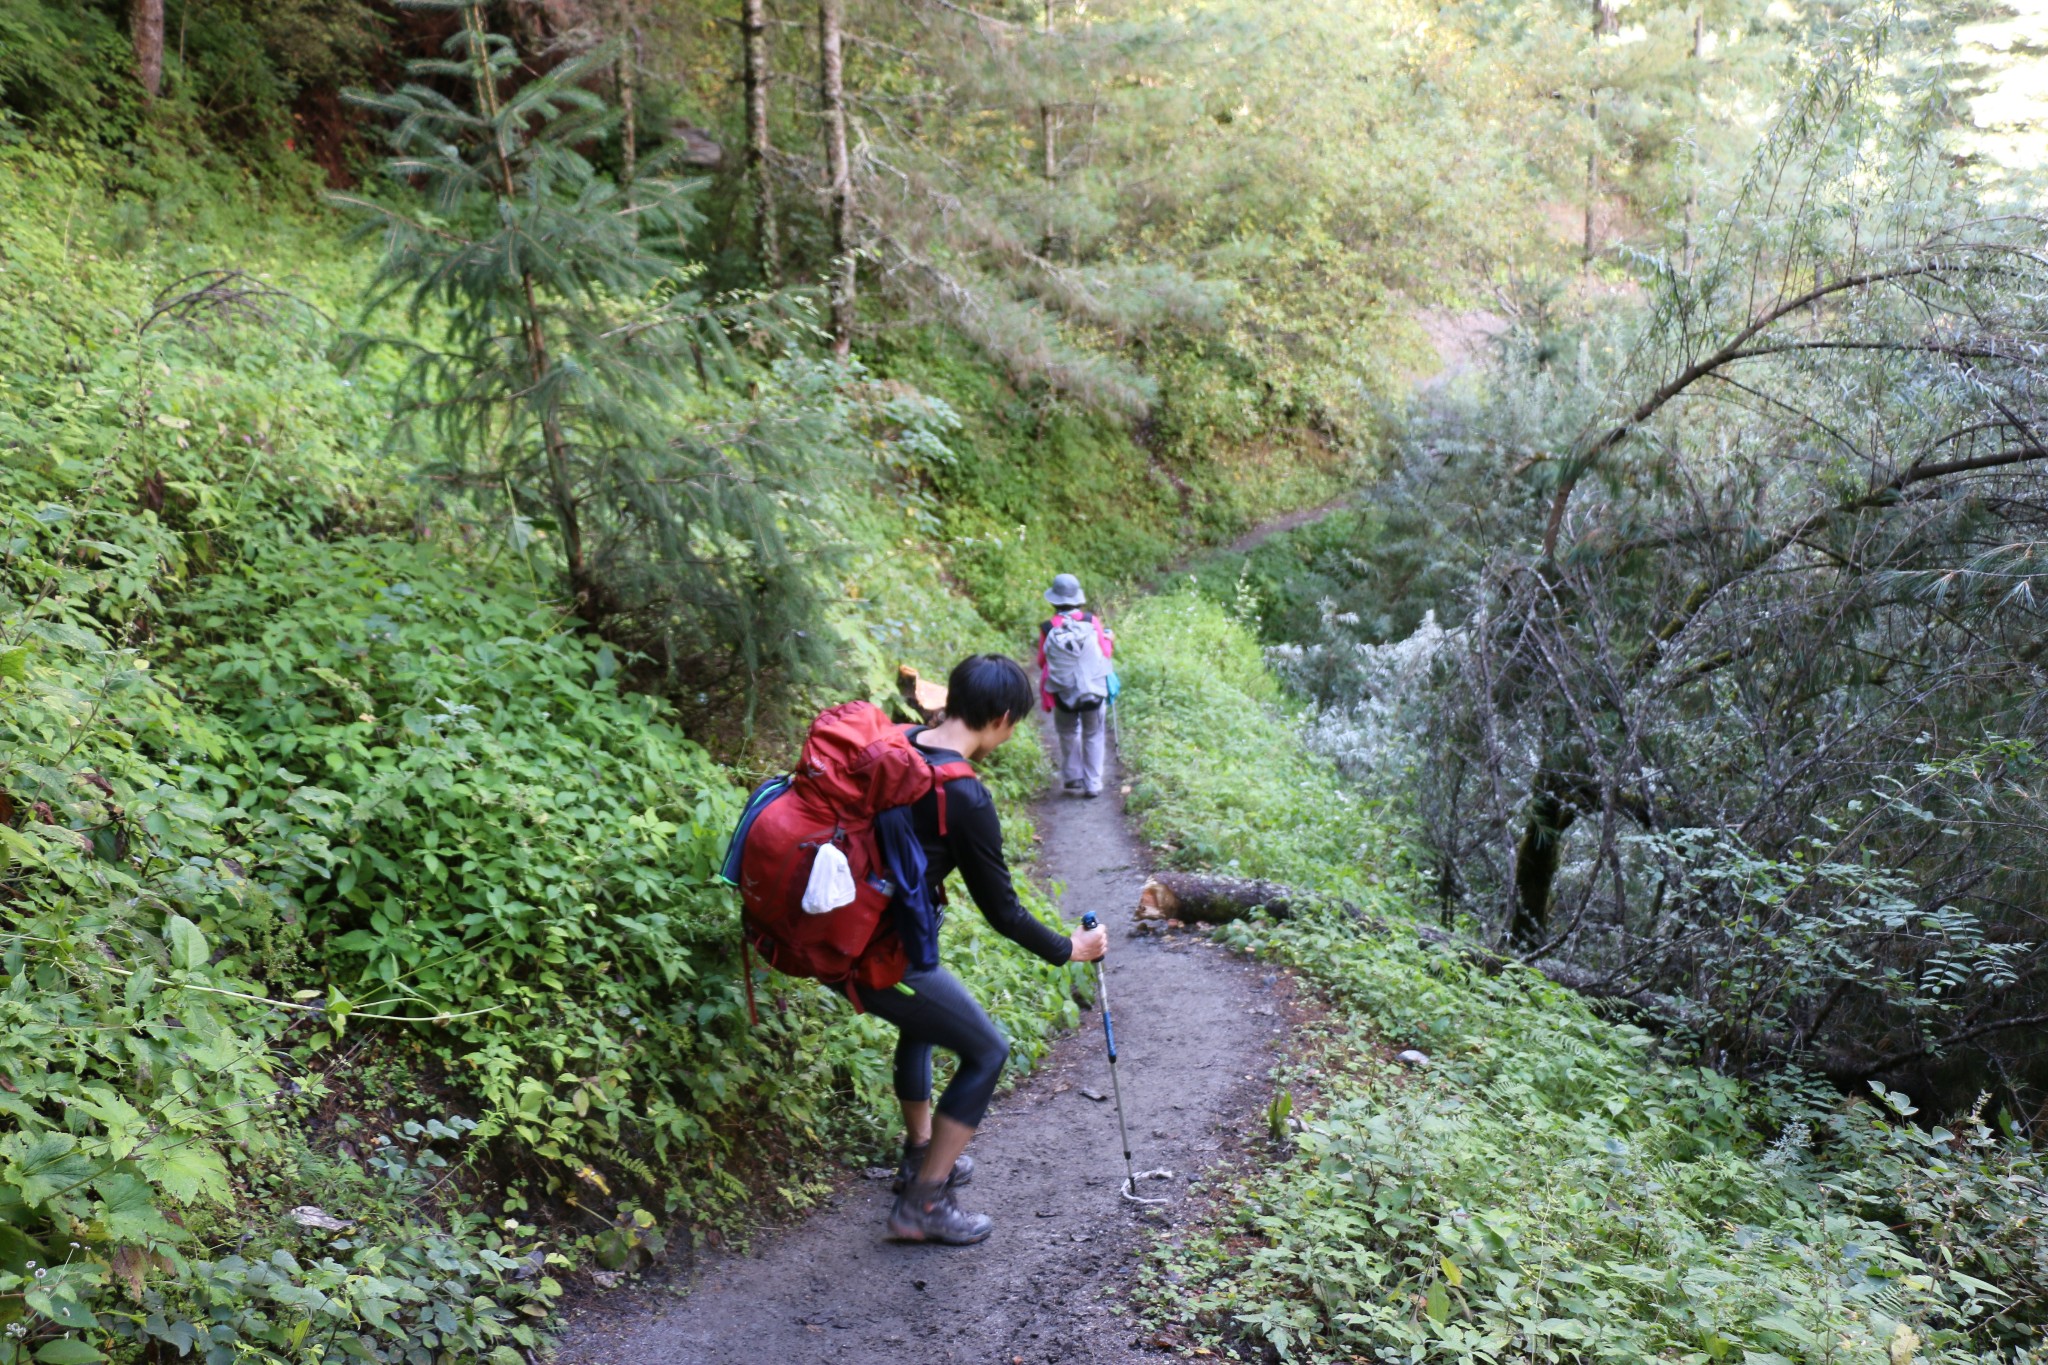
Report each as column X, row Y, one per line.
column 341, row 871
column 360, row 967
column 1550, row 1185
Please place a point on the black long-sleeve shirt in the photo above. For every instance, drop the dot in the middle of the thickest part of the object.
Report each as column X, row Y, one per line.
column 973, row 843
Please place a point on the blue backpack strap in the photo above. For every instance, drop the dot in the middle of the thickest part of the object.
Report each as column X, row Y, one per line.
column 917, row 911
column 735, row 849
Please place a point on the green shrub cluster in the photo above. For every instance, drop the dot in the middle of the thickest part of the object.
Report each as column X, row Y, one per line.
column 1547, row 1186
column 148, row 1083
column 1221, row 780
column 357, row 919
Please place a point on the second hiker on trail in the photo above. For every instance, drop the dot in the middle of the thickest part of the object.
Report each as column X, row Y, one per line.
column 1076, row 682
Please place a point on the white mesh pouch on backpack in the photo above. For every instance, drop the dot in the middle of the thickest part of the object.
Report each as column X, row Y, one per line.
column 1075, row 666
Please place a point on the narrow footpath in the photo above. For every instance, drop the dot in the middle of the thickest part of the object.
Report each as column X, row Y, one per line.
column 1197, row 1029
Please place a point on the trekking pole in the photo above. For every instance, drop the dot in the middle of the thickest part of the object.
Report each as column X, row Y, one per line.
column 1130, row 1189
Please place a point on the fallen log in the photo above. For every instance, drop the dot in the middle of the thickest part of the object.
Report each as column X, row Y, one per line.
column 1206, row 898
column 924, row 699
column 1209, row 899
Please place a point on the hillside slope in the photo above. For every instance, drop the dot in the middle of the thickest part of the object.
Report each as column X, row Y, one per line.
column 343, row 870
column 1542, row 1182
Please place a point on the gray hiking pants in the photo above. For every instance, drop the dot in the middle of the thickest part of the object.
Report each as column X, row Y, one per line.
column 1081, row 745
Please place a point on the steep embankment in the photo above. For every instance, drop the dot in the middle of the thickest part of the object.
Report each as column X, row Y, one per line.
column 346, row 873
column 1196, row 1030
column 1546, row 1183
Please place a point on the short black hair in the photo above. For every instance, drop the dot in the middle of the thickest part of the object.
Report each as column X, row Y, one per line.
column 986, row 688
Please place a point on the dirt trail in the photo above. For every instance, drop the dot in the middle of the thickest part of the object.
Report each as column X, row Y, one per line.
column 1196, row 1030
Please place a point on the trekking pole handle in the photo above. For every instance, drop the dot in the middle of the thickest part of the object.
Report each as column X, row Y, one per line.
column 1088, row 921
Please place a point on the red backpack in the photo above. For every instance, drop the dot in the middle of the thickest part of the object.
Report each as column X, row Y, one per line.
column 855, row 764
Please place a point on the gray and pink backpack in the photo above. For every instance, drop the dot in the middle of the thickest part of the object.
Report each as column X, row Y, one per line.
column 1077, row 671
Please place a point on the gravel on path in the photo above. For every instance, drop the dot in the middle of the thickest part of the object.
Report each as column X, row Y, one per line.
column 1194, row 1045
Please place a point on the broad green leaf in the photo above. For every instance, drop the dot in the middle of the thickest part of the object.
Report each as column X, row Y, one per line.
column 128, row 1210
column 59, row 1308
column 186, row 1169
column 44, row 1165
column 68, row 1351
column 17, row 1249
column 189, row 951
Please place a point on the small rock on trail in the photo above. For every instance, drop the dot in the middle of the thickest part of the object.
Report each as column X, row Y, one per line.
column 832, row 1288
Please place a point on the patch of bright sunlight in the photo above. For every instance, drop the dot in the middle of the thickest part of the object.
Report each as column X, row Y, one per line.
column 2010, row 110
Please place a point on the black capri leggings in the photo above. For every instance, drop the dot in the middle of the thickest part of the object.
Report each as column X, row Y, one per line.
column 936, row 1011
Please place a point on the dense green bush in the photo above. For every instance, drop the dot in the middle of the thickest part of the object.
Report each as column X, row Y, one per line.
column 65, row 65
column 1548, row 1186
column 146, row 1080
column 1221, row 780
column 473, row 819
column 339, row 871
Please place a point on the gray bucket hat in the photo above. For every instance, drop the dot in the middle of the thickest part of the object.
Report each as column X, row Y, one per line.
column 1066, row 591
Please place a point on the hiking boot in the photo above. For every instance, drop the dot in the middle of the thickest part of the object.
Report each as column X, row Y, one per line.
column 927, row 1213
column 913, row 1162
column 1075, row 784
column 1092, row 795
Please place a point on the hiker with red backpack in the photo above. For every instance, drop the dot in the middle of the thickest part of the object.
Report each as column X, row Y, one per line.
column 840, row 868
column 1076, row 682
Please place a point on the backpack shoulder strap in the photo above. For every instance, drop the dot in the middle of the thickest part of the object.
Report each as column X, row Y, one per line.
column 942, row 773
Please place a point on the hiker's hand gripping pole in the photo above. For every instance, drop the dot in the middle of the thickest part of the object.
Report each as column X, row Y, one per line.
column 1130, row 1190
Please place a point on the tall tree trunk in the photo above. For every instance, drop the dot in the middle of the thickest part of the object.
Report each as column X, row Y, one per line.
column 629, row 101
column 1047, row 122
column 1606, row 21
column 1592, row 174
column 146, row 28
column 554, row 440
column 1692, row 189
column 767, row 243
column 832, row 102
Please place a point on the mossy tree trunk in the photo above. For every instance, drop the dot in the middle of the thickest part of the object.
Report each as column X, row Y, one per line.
column 767, row 238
